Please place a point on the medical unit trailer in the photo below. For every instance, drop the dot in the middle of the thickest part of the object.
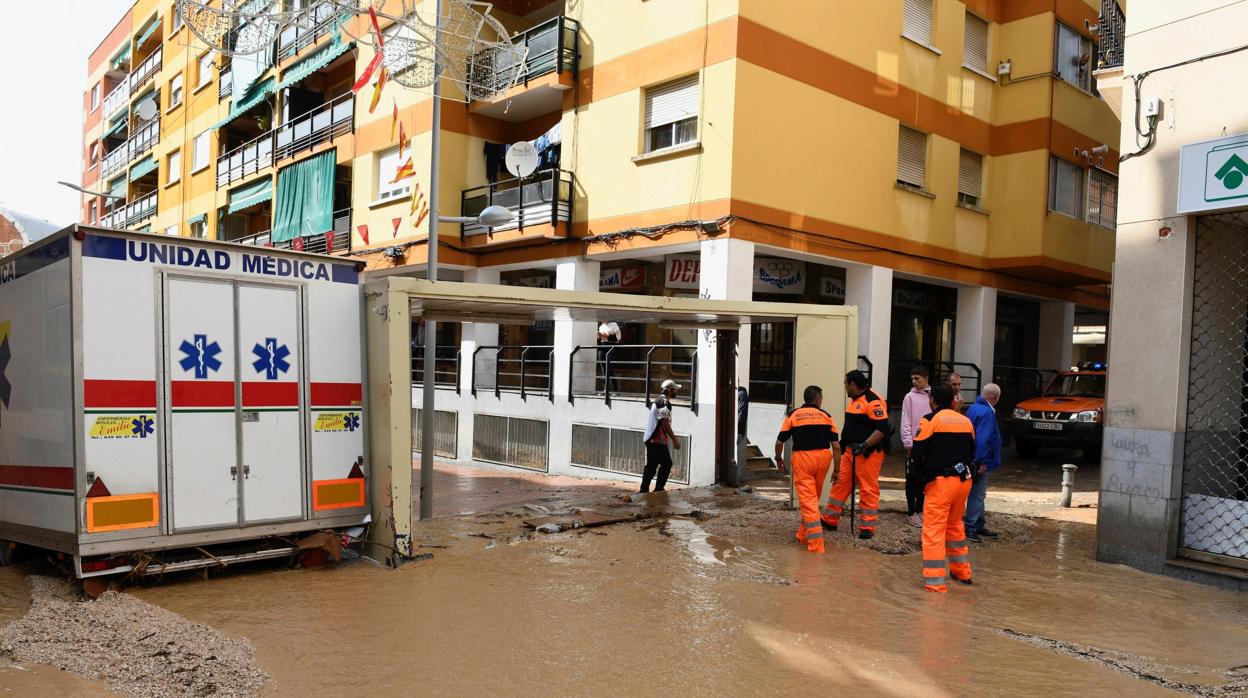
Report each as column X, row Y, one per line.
column 163, row 395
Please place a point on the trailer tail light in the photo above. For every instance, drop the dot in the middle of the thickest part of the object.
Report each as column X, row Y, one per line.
column 122, row 512
column 107, row 563
column 338, row 494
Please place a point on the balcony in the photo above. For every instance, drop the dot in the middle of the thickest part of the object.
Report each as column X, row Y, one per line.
column 116, row 160
column 144, row 139
column 553, row 48
column 323, row 124
column 116, row 219
column 225, row 85
column 146, row 71
column 544, row 199
column 117, row 98
column 1112, row 29
column 323, row 18
column 143, row 208
column 336, row 241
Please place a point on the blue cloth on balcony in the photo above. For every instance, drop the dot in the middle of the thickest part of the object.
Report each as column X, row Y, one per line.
column 304, row 204
column 251, row 194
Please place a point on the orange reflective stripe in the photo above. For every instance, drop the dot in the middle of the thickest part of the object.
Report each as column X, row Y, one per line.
column 122, row 512
column 347, row 493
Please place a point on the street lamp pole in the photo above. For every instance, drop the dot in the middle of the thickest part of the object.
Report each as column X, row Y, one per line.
column 431, row 330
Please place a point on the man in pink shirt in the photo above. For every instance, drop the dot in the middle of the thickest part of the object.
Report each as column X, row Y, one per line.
column 914, row 407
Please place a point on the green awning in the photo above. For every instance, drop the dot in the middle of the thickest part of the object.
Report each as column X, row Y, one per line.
column 257, row 94
column 122, row 56
column 148, row 31
column 305, row 198
column 142, row 167
column 315, row 62
column 118, row 187
column 249, row 195
column 197, row 219
column 118, row 125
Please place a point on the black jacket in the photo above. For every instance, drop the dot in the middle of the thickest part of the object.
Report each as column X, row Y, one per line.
column 946, row 438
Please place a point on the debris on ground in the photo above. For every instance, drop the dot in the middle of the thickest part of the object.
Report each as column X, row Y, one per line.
column 137, row 648
column 318, row 549
column 581, row 519
column 549, row 528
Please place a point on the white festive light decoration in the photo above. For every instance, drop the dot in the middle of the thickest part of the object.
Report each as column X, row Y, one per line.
column 471, row 47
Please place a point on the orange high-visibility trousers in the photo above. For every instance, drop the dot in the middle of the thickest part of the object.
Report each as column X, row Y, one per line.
column 809, row 469
column 944, row 537
column 868, row 473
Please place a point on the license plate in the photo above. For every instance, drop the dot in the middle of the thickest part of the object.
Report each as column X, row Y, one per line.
column 1048, row 426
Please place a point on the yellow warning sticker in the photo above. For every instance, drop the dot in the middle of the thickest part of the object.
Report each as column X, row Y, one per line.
column 123, row 426
column 337, row 421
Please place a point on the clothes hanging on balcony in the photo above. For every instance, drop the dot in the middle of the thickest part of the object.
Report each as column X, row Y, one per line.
column 495, row 156
column 304, row 203
column 547, row 146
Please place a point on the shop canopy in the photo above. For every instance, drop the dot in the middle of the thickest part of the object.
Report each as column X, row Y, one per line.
column 249, row 195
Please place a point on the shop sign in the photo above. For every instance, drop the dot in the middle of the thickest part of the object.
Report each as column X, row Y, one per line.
column 779, row 275
column 905, row 298
column 533, row 281
column 684, row 271
column 622, row 279
column 832, row 287
column 1213, row 175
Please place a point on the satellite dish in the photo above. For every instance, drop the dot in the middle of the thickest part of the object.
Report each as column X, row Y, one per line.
column 521, row 159
column 147, row 109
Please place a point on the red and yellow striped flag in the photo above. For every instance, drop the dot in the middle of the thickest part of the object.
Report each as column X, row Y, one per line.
column 377, row 88
column 405, row 171
column 394, row 123
column 403, row 140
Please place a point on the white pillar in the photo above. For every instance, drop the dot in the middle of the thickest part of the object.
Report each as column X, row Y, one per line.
column 575, row 274
column 871, row 289
column 975, row 331
column 727, row 273
column 478, row 334
column 1057, row 335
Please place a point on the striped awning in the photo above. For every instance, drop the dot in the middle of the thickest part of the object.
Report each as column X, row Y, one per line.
column 315, row 62
column 148, row 31
column 122, row 56
column 142, row 167
column 118, row 125
column 197, row 219
column 253, row 98
column 118, row 187
column 249, row 195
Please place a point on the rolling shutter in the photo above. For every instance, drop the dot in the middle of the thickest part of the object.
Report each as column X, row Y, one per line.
column 917, row 21
column 975, row 43
column 971, row 174
column 911, row 156
column 672, row 102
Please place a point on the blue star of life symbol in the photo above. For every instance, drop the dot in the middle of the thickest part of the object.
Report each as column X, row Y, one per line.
column 201, row 355
column 350, row 422
column 143, row 426
column 270, row 358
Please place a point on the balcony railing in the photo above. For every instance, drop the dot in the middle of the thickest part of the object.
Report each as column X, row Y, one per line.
column 116, row 159
column 1112, row 29
column 225, row 85
column 553, row 47
column 325, row 123
column 323, row 16
column 116, row 219
column 446, row 363
column 144, row 207
column 148, row 68
column 544, row 198
column 336, row 241
column 144, row 139
column 117, row 98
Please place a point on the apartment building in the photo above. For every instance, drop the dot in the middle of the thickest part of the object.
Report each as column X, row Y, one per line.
column 945, row 166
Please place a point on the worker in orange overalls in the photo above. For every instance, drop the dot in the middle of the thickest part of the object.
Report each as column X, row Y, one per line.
column 944, row 453
column 866, row 435
column 814, row 446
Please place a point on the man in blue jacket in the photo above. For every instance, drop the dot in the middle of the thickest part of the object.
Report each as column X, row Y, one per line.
column 983, row 416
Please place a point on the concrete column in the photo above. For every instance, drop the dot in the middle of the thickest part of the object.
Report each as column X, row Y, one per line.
column 976, row 330
column 575, row 274
column 388, row 325
column 727, row 273
column 477, row 334
column 1057, row 334
column 871, row 289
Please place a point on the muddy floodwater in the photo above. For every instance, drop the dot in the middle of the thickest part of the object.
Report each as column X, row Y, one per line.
column 673, row 607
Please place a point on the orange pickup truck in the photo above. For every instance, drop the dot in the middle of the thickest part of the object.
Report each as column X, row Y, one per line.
column 1070, row 413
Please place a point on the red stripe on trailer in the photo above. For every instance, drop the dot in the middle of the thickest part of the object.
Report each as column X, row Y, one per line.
column 42, row 476
column 265, row 394
column 337, row 394
column 119, row 393
column 201, row 393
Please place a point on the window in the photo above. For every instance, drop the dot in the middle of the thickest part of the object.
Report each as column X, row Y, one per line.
column 387, row 165
column 175, row 22
column 199, row 229
column 204, row 75
column 1073, row 55
column 172, row 230
column 173, row 167
column 917, row 21
column 1065, row 187
column 975, row 43
column 1102, row 199
column 91, row 212
column 200, row 158
column 672, row 114
column 95, row 96
column 911, row 157
column 175, row 91
column 970, row 178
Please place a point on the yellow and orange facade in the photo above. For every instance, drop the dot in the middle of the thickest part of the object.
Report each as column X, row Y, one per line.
column 940, row 164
